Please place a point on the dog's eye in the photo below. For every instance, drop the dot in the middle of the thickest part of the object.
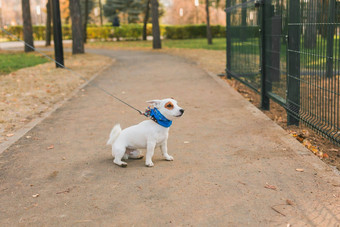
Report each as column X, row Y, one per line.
column 169, row 106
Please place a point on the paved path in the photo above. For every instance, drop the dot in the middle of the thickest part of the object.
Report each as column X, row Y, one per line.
column 226, row 152
column 19, row 44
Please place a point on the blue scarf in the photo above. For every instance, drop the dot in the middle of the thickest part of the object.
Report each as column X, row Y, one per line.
column 157, row 117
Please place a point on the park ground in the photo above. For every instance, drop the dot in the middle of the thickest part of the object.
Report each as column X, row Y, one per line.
column 17, row 110
column 233, row 165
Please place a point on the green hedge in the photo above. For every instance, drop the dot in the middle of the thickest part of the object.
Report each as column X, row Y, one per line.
column 39, row 32
column 133, row 32
column 248, row 32
column 193, row 31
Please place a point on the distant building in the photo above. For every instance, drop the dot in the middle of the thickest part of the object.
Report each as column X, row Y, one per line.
column 10, row 12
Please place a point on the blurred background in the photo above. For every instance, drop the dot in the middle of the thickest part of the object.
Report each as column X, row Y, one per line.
column 110, row 13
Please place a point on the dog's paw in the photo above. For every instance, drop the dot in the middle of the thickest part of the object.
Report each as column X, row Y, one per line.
column 121, row 164
column 149, row 164
column 169, row 158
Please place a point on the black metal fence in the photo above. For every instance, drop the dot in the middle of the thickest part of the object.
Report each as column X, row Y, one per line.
column 289, row 51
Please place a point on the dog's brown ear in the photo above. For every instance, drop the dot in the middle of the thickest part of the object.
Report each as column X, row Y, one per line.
column 156, row 103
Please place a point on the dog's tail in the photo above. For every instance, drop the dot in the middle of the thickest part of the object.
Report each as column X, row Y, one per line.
column 114, row 134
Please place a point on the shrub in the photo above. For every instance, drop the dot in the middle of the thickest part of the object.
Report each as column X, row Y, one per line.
column 134, row 31
column 101, row 33
column 192, row 31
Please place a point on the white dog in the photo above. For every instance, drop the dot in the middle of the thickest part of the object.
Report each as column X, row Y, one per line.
column 147, row 134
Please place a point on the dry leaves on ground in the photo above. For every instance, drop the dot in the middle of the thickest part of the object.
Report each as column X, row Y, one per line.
column 29, row 92
column 302, row 137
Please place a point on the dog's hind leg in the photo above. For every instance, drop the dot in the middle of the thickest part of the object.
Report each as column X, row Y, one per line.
column 118, row 153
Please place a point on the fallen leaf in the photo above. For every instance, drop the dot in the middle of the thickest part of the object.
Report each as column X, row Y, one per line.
column 320, row 154
column 300, row 138
column 325, row 155
column 35, row 195
column 50, row 147
column 33, row 205
column 306, row 143
column 305, row 133
column 314, row 149
column 300, row 170
column 27, row 137
column 272, row 187
column 186, row 142
column 333, row 149
column 10, row 135
column 289, row 202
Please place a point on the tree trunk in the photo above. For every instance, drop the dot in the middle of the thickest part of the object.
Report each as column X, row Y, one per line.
column 48, row 23
column 209, row 36
column 77, row 31
column 101, row 12
column 156, row 44
column 146, row 18
column 28, row 31
column 86, row 16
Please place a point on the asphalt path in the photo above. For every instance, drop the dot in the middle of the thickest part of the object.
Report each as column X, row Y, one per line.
column 232, row 165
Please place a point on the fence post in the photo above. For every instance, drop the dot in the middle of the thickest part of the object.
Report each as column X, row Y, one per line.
column 330, row 39
column 58, row 40
column 243, row 34
column 228, row 37
column 293, row 74
column 264, row 98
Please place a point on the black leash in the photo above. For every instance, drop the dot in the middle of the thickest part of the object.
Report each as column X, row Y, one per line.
column 74, row 72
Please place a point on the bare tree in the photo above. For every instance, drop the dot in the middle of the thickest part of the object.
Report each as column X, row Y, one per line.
column 101, row 12
column 48, row 23
column 146, row 18
column 77, row 32
column 28, row 30
column 86, row 16
column 209, row 36
column 156, row 44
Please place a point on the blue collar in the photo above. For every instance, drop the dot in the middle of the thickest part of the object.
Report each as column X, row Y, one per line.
column 157, row 117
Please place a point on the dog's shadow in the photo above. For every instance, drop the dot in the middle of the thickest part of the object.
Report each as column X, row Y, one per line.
column 131, row 162
column 140, row 162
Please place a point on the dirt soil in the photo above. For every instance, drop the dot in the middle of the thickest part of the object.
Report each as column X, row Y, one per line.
column 233, row 165
column 28, row 93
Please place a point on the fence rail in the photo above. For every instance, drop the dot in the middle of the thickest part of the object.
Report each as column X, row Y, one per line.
column 289, row 51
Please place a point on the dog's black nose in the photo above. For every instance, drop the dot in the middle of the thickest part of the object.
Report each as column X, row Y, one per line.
column 181, row 110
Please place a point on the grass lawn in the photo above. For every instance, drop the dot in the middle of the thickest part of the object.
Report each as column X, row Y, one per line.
column 10, row 62
column 218, row 44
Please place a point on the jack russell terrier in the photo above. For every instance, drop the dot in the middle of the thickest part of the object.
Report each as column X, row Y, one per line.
column 148, row 134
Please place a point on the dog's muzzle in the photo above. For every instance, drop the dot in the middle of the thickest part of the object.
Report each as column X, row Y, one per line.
column 181, row 111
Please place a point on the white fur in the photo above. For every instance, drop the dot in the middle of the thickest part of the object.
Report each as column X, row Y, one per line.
column 147, row 134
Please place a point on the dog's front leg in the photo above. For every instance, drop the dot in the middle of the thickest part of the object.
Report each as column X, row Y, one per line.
column 164, row 149
column 150, row 149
